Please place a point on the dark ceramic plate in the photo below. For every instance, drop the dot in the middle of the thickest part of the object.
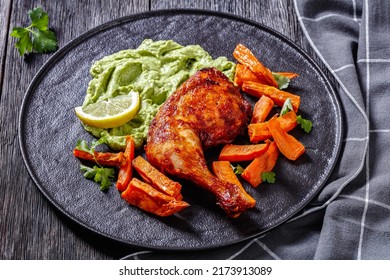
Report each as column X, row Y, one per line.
column 49, row 130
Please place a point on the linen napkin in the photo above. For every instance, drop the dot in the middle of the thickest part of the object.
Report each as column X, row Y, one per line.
column 350, row 218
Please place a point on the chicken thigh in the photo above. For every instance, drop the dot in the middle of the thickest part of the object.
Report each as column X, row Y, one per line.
column 206, row 110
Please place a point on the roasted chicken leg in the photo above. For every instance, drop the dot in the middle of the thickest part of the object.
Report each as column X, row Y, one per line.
column 206, row 110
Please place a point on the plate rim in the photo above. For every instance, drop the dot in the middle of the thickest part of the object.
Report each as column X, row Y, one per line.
column 173, row 12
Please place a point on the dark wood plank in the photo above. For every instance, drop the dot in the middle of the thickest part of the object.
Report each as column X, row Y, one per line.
column 5, row 10
column 31, row 228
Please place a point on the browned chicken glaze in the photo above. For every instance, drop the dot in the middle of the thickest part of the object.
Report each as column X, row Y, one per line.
column 207, row 110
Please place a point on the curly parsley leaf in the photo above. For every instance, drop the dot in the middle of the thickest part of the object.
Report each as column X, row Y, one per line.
column 281, row 80
column 100, row 175
column 37, row 36
column 237, row 169
column 268, row 177
column 306, row 125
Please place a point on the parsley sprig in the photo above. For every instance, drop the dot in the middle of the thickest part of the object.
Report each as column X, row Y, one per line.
column 306, row 124
column 268, row 177
column 37, row 36
column 237, row 169
column 287, row 107
column 97, row 173
column 281, row 80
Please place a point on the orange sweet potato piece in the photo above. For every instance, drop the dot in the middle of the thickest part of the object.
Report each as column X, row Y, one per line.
column 125, row 172
column 262, row 109
column 237, row 153
column 247, row 58
column 224, row 171
column 144, row 196
column 102, row 158
column 264, row 163
column 259, row 131
column 157, row 179
column 244, row 74
column 277, row 95
column 287, row 144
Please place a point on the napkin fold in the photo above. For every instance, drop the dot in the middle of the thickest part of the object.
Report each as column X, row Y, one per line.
column 350, row 217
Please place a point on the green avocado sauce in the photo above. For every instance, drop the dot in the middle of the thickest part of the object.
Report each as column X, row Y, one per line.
column 155, row 70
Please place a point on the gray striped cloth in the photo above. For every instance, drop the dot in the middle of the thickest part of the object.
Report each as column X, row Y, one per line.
column 350, row 218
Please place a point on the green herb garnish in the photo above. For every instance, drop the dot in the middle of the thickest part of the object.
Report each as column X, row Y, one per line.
column 287, row 107
column 237, row 169
column 281, row 80
column 306, row 125
column 97, row 173
column 37, row 36
column 90, row 148
column 268, row 177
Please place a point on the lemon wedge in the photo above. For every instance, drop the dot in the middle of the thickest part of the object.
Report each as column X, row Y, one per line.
column 109, row 113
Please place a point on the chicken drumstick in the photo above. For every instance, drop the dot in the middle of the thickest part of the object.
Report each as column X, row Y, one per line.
column 206, row 110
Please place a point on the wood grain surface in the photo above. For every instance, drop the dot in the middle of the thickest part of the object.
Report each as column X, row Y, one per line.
column 30, row 228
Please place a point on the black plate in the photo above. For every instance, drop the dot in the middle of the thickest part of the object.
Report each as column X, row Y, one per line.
column 49, row 129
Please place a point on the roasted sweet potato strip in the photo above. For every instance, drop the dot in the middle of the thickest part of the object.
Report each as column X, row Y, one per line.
column 277, row 95
column 237, row 153
column 102, row 158
column 247, row 58
column 224, row 171
column 264, row 163
column 244, row 74
column 262, row 109
column 287, row 144
column 259, row 131
column 157, row 179
column 126, row 171
column 144, row 196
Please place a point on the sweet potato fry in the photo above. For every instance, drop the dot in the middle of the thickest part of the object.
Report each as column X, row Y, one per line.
column 262, row 109
column 277, row 95
column 144, row 196
column 102, row 158
column 259, row 131
column 237, row 153
column 126, row 171
column 264, row 163
column 287, row 144
column 224, row 171
column 247, row 58
column 244, row 74
column 157, row 179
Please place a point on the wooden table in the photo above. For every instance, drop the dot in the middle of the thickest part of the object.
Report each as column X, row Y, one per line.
column 30, row 228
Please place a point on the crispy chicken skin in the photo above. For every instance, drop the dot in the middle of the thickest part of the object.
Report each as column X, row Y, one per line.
column 206, row 110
